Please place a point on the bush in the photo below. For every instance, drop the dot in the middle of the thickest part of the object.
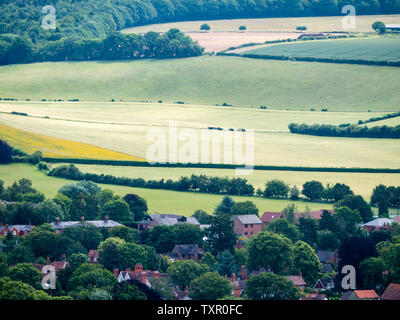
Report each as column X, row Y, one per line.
column 242, row 28
column 205, row 26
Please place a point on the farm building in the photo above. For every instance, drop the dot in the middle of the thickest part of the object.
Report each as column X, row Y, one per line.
column 360, row 295
column 392, row 292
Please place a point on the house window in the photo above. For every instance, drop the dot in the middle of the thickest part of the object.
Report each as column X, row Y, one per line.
column 245, row 233
column 245, row 225
column 251, row 226
column 14, row 233
column 251, row 232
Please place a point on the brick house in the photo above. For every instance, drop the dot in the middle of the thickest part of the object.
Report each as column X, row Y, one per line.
column 186, row 252
column 247, row 225
column 144, row 276
column 298, row 281
column 392, row 292
column 16, row 230
column 377, row 224
column 268, row 217
column 312, row 214
column 360, row 295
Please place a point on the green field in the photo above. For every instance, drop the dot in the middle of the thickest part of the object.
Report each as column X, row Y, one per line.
column 313, row 24
column 361, row 183
column 209, row 80
column 159, row 201
column 370, row 49
column 123, row 127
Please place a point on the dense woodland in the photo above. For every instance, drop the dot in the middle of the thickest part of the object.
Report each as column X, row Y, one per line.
column 78, row 23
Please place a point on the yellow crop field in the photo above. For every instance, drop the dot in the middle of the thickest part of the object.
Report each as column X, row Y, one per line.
column 58, row 148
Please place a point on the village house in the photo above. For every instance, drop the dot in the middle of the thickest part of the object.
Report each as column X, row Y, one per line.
column 315, row 296
column 59, row 225
column 186, row 252
column 268, row 217
column 144, row 276
column 247, row 225
column 396, row 219
column 327, row 257
column 239, row 285
column 392, row 292
column 377, row 224
column 58, row 265
column 325, row 284
column 298, row 281
column 164, row 220
column 360, row 295
column 312, row 214
column 16, row 230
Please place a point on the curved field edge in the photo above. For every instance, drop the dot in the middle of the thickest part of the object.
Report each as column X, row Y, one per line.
column 159, row 201
column 209, row 80
column 58, row 148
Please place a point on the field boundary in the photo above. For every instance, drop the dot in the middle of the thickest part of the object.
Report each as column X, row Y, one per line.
column 309, row 59
column 217, row 166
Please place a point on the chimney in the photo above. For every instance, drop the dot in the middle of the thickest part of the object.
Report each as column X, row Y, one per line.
column 58, row 220
column 156, row 274
column 138, row 268
column 143, row 277
column 64, row 257
column 234, row 278
column 82, row 219
column 47, row 260
column 116, row 272
column 106, row 219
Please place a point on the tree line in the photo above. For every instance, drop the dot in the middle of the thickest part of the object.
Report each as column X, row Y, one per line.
column 353, row 131
column 116, row 46
column 194, row 183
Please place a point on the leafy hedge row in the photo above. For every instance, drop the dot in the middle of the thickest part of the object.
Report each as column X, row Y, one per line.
column 202, row 183
column 216, row 166
column 352, row 131
column 313, row 59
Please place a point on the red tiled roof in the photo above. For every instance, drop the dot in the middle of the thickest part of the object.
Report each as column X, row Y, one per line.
column 312, row 214
column 397, row 219
column 366, row 294
column 392, row 292
column 267, row 217
column 297, row 280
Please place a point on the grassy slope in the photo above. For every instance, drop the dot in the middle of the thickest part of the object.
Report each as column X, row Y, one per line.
column 361, row 183
column 123, row 127
column 209, row 80
column 161, row 201
column 374, row 49
column 314, row 24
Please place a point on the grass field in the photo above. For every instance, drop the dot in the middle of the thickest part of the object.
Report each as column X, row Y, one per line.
column 361, row 183
column 57, row 148
column 159, row 201
column 123, row 127
column 313, row 24
column 371, row 49
column 209, row 80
